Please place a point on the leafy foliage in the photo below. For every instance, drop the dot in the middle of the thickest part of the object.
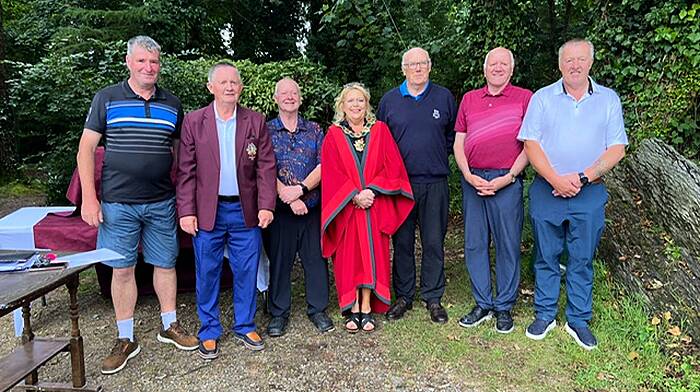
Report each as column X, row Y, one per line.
column 653, row 61
column 257, row 30
column 50, row 99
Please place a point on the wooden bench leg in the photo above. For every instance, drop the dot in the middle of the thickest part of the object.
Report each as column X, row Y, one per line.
column 77, row 355
column 27, row 336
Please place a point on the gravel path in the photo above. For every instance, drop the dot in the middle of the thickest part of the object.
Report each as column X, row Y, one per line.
column 302, row 360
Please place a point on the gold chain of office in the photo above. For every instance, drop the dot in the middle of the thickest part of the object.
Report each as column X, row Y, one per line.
column 359, row 143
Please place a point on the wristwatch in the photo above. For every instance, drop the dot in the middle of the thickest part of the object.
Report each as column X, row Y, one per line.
column 582, row 177
column 512, row 177
column 304, row 188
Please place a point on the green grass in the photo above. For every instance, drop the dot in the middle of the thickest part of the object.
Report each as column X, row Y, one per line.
column 629, row 356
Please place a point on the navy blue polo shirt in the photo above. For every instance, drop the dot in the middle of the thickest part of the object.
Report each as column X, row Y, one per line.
column 423, row 128
column 138, row 136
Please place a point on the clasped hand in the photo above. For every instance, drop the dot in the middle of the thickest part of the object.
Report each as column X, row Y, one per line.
column 568, row 185
column 364, row 199
column 488, row 188
column 290, row 193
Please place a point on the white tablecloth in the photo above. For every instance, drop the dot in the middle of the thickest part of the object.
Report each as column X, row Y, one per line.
column 17, row 229
column 17, row 232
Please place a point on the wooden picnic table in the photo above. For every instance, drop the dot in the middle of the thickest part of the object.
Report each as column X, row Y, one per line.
column 18, row 290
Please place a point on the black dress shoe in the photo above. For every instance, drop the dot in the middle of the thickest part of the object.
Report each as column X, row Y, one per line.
column 504, row 322
column 438, row 314
column 397, row 310
column 322, row 322
column 477, row 316
column 277, row 327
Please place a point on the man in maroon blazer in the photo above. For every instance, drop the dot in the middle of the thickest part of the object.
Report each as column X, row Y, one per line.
column 225, row 195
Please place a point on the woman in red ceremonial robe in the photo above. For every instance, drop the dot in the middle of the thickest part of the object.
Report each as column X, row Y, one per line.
column 365, row 196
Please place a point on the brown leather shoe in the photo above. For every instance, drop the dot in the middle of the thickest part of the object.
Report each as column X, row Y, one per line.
column 251, row 341
column 123, row 350
column 177, row 336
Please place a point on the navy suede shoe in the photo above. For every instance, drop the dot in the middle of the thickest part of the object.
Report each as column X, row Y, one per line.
column 539, row 329
column 583, row 336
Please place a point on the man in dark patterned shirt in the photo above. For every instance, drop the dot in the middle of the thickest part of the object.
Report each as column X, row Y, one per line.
column 297, row 227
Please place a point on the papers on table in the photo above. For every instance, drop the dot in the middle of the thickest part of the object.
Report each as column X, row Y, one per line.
column 91, row 257
column 17, row 261
column 28, row 259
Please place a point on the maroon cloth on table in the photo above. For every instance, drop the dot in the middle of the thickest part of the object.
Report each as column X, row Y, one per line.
column 66, row 231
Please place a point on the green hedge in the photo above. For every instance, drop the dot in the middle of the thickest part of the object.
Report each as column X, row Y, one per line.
column 50, row 99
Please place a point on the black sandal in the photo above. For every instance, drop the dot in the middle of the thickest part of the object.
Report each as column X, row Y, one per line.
column 368, row 319
column 355, row 318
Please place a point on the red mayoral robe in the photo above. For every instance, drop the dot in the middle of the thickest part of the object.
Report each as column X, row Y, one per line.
column 357, row 239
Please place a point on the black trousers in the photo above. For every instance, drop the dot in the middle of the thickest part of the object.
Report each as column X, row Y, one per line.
column 288, row 235
column 430, row 213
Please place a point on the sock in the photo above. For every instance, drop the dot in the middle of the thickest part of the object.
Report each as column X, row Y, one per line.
column 168, row 318
column 126, row 329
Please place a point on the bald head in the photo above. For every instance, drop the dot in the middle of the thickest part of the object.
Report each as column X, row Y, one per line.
column 499, row 51
column 416, row 65
column 413, row 53
column 498, row 69
column 288, row 96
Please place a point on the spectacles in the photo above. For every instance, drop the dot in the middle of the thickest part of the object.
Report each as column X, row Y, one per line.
column 417, row 64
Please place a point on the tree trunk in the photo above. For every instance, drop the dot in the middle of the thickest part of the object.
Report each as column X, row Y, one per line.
column 652, row 243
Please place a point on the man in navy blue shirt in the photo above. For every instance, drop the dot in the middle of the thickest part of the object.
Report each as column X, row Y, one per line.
column 421, row 116
column 140, row 123
column 297, row 229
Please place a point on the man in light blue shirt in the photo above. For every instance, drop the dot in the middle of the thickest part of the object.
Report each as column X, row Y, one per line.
column 226, row 132
column 225, row 196
column 573, row 133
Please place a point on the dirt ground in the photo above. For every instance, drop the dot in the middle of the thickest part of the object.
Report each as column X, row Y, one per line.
column 302, row 360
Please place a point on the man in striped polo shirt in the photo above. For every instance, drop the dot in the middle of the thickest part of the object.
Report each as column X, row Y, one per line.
column 140, row 122
column 491, row 159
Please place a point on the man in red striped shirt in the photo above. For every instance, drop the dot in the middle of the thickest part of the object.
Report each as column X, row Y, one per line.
column 491, row 160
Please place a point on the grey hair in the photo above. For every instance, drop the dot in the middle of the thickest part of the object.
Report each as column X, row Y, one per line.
column 403, row 56
column 512, row 59
column 576, row 41
column 142, row 41
column 287, row 79
column 221, row 64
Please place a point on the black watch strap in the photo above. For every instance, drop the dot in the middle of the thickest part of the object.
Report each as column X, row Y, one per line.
column 304, row 189
column 582, row 177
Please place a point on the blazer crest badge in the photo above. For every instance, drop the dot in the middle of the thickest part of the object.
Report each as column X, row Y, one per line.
column 251, row 150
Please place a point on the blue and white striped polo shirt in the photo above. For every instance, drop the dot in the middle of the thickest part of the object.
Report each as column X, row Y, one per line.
column 138, row 137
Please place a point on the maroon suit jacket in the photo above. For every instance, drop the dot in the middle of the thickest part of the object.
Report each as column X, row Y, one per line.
column 199, row 164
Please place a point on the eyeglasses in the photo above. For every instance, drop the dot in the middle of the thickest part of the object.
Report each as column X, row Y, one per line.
column 417, row 64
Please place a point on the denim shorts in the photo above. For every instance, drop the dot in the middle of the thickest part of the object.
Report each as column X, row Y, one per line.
column 153, row 224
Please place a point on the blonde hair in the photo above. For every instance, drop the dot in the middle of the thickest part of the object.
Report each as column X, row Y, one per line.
column 340, row 114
